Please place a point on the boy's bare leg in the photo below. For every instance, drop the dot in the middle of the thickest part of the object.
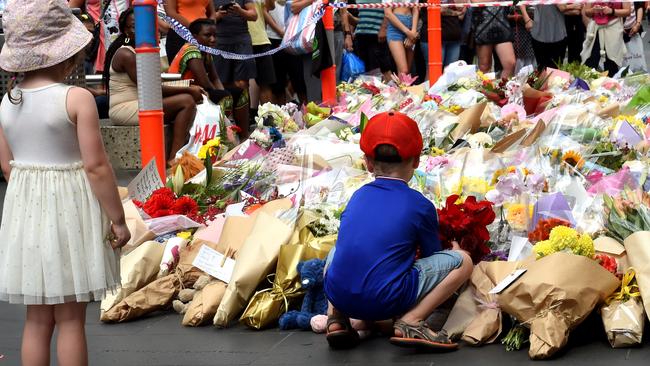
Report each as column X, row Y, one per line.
column 440, row 293
column 333, row 313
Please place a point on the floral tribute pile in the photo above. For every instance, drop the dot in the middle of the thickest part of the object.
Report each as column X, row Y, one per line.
column 545, row 171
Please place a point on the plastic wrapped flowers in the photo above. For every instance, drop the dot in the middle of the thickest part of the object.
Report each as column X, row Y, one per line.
column 565, row 239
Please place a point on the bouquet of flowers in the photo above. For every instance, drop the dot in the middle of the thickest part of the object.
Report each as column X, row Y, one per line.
column 494, row 90
column 466, row 223
column 565, row 239
column 627, row 213
column 543, row 229
column 164, row 202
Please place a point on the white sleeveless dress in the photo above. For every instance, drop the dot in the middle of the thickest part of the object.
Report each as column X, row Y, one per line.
column 53, row 246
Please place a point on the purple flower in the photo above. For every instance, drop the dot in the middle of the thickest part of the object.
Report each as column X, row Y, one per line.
column 495, row 197
column 535, row 183
column 510, row 185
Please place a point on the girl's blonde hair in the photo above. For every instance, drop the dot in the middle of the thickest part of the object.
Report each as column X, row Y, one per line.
column 68, row 66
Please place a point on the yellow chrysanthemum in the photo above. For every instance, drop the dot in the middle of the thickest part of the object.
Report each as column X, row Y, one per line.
column 543, row 248
column 574, row 159
column 563, row 238
column 585, row 246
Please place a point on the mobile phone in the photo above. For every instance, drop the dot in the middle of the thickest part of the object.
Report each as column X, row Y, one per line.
column 225, row 7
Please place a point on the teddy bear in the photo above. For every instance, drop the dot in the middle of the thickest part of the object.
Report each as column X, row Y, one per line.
column 314, row 302
column 186, row 295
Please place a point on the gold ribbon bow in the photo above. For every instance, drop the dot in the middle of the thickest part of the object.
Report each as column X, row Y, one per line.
column 277, row 290
column 629, row 288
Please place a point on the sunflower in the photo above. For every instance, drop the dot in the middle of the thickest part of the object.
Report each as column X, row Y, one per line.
column 574, row 159
column 436, row 151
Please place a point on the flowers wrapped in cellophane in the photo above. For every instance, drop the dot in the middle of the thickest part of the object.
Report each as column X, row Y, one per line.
column 623, row 314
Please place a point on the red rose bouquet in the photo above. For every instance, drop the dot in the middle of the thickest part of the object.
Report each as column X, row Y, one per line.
column 466, row 223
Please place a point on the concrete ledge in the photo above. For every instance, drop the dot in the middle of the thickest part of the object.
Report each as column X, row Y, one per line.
column 122, row 144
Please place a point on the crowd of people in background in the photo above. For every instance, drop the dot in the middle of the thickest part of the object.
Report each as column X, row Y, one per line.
column 605, row 36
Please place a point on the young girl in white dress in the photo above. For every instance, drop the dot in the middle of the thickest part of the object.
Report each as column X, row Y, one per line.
column 62, row 219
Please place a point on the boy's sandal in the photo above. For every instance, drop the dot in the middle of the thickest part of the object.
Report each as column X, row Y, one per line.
column 420, row 336
column 342, row 338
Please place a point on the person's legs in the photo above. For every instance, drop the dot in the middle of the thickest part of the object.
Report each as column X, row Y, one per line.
column 442, row 289
column 542, row 54
column 484, row 53
column 594, row 59
column 399, row 56
column 312, row 83
column 179, row 109
column 37, row 335
column 558, row 53
column 71, row 348
column 339, row 40
column 506, row 54
column 450, row 53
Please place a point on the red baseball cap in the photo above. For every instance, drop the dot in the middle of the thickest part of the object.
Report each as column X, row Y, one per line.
column 395, row 129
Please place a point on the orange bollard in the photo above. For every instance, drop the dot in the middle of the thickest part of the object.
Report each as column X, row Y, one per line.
column 152, row 139
column 435, row 41
column 152, row 134
column 328, row 76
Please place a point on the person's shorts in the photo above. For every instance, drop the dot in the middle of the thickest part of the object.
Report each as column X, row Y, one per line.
column 393, row 33
column 264, row 65
column 432, row 270
column 235, row 70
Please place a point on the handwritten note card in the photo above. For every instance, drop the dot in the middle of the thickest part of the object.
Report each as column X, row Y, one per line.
column 147, row 181
column 212, row 262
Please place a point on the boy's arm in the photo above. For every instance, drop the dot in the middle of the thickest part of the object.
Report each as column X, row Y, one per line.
column 429, row 238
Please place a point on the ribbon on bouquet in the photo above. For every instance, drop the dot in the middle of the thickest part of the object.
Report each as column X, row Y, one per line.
column 629, row 288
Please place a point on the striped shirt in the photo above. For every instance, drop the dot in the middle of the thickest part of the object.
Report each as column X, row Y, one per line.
column 370, row 20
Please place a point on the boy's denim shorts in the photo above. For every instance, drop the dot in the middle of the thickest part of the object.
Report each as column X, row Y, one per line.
column 434, row 269
column 431, row 270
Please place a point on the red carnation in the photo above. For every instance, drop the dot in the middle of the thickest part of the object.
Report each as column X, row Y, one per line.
column 158, row 205
column 164, row 191
column 137, row 203
column 185, row 206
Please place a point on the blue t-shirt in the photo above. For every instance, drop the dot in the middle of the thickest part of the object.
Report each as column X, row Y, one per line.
column 371, row 275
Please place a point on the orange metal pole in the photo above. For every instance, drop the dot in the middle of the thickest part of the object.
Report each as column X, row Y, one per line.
column 435, row 41
column 328, row 76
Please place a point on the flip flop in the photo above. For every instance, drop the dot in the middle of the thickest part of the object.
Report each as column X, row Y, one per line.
column 421, row 337
column 345, row 338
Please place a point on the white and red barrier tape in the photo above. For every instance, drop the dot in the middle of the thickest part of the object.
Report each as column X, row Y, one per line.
column 473, row 5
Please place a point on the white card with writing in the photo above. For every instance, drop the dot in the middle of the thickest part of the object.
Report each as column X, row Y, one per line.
column 147, row 181
column 507, row 281
column 212, row 262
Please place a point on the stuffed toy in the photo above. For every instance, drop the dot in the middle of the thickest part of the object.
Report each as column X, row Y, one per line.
column 314, row 302
column 186, row 295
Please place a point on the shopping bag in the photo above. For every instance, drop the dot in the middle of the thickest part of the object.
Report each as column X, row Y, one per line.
column 351, row 66
column 207, row 124
column 300, row 29
column 635, row 56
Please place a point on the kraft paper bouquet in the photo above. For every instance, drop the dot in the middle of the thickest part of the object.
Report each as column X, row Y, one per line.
column 266, row 306
column 623, row 314
column 556, row 294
